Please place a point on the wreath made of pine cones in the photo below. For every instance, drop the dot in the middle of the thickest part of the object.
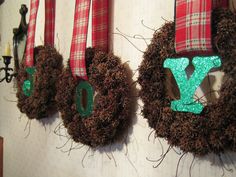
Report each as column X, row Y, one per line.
column 214, row 130
column 48, row 65
column 111, row 113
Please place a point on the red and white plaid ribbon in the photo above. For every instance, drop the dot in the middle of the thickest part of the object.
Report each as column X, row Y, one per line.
column 193, row 25
column 29, row 56
column 50, row 11
column 100, row 24
column 80, row 30
column 48, row 30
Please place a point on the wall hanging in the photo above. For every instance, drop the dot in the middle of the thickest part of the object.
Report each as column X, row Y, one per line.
column 207, row 35
column 40, row 68
column 102, row 116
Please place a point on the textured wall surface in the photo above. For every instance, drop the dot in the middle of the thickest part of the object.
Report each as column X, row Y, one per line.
column 39, row 154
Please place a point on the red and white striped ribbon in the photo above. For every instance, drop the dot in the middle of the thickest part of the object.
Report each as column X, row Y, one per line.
column 49, row 28
column 80, row 30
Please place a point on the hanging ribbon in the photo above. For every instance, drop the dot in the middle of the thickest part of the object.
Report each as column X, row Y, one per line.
column 48, row 38
column 100, row 24
column 29, row 56
column 192, row 37
column 48, row 30
column 193, row 25
column 80, row 30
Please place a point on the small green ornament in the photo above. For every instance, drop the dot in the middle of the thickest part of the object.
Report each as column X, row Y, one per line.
column 187, row 87
column 87, row 111
column 28, row 84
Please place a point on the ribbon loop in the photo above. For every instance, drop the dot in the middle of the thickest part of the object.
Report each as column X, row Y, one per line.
column 80, row 30
column 48, row 30
column 78, row 44
column 193, row 25
column 29, row 56
column 100, row 24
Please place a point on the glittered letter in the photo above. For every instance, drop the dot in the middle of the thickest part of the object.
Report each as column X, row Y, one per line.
column 28, row 84
column 187, row 87
column 89, row 106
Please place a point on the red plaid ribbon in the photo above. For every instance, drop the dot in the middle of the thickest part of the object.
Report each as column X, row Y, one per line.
column 193, row 25
column 50, row 11
column 29, row 56
column 100, row 24
column 79, row 39
column 49, row 29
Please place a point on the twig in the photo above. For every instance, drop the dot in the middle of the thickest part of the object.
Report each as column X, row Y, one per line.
column 150, row 134
column 142, row 22
column 129, row 41
column 177, row 169
column 178, row 153
column 165, row 19
column 223, row 165
column 191, row 165
column 132, row 165
column 29, row 125
column 114, row 159
column 134, row 36
column 64, row 144
column 12, row 101
column 162, row 148
column 160, row 159
column 82, row 161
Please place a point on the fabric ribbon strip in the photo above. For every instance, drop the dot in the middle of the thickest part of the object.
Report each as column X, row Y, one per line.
column 100, row 23
column 193, row 25
column 49, row 28
column 29, row 56
column 80, row 30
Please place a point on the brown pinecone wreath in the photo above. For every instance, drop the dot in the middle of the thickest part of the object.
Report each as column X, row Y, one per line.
column 214, row 130
column 111, row 112
column 41, row 104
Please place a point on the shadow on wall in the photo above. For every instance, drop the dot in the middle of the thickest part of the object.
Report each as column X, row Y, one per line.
column 1, row 1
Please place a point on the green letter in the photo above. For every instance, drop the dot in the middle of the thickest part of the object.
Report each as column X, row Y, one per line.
column 89, row 106
column 28, row 84
column 187, row 87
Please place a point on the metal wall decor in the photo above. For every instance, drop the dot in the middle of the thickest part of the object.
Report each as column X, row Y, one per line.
column 19, row 38
column 19, row 43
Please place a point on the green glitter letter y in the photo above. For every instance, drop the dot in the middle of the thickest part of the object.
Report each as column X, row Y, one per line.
column 187, row 87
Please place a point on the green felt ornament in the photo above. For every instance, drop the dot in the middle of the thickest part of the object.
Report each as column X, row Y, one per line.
column 28, row 84
column 187, row 87
column 84, row 112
